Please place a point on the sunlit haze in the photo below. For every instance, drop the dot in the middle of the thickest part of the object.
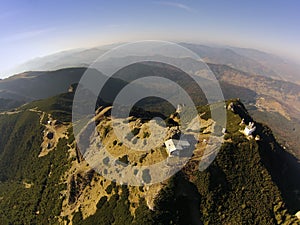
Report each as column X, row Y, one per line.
column 33, row 28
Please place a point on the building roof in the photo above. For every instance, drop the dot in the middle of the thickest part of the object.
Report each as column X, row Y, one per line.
column 175, row 145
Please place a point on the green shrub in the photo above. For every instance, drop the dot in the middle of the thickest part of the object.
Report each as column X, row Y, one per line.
column 101, row 202
column 146, row 134
column 124, row 159
column 135, row 131
column 115, row 142
column 109, row 189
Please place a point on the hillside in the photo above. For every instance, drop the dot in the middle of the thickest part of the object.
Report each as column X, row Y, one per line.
column 268, row 100
column 276, row 102
column 229, row 57
column 286, row 69
column 30, row 86
column 286, row 93
column 44, row 179
column 7, row 104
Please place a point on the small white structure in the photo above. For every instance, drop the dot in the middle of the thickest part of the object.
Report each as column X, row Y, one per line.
column 249, row 129
column 224, row 131
column 179, row 108
column 175, row 146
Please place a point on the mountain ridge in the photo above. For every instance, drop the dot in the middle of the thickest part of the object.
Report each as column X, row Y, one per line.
column 240, row 58
column 237, row 156
column 261, row 94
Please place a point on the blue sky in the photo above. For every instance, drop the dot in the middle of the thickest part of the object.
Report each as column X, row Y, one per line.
column 32, row 28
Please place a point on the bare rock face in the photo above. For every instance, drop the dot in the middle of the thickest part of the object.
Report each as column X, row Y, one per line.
column 53, row 132
column 173, row 133
column 77, row 183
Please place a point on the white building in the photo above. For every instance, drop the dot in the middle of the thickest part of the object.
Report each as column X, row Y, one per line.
column 249, row 129
column 175, row 146
column 179, row 108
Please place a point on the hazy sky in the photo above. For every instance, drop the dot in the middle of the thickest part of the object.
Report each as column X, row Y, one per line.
column 32, row 28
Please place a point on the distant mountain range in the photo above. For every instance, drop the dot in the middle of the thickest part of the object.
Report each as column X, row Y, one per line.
column 248, row 60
